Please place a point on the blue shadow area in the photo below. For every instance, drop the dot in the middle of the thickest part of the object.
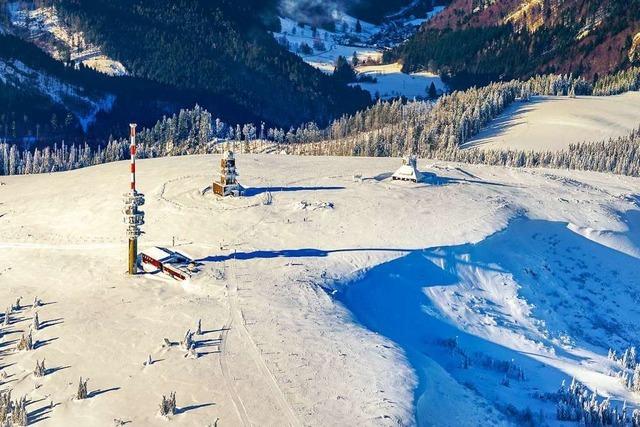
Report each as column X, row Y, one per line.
column 560, row 274
column 292, row 253
column 255, row 191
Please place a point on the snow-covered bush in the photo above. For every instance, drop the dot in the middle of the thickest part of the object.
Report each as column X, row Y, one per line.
column 6, row 405
column 82, row 389
column 628, row 359
column 168, row 405
column 13, row 413
column 40, row 370
column 36, row 322
column 577, row 403
column 19, row 416
column 25, row 343
column 187, row 343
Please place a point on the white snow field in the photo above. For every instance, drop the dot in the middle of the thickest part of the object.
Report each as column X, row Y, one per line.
column 391, row 82
column 327, row 46
column 460, row 301
column 325, row 57
column 551, row 123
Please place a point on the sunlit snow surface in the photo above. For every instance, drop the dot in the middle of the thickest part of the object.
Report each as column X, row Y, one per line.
column 343, row 302
column 551, row 123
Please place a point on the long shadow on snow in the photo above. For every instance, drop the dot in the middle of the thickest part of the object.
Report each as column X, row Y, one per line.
column 547, row 262
column 255, row 191
column 297, row 253
column 289, row 253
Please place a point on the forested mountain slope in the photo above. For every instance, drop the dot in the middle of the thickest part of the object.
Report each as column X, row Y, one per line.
column 220, row 48
column 475, row 41
column 44, row 101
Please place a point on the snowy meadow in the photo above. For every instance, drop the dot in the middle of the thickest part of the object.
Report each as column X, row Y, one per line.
column 471, row 296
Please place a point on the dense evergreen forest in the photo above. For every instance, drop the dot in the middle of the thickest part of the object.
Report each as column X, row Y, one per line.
column 219, row 48
column 376, row 10
column 27, row 113
column 580, row 39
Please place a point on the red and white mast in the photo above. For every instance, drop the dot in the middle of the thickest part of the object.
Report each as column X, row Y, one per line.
column 133, row 217
column 132, row 149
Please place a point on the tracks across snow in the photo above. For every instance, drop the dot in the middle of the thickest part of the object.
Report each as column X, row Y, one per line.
column 236, row 331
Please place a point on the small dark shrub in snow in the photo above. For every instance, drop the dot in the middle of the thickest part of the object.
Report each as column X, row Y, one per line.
column 19, row 413
column 25, row 343
column 168, row 405
column 40, row 370
column 12, row 413
column 6, row 405
column 149, row 361
column 191, row 353
column 82, row 389
column 36, row 322
column 305, row 49
column 524, row 417
column 509, row 367
column 187, row 342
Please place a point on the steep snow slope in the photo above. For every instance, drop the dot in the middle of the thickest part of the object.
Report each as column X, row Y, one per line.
column 85, row 107
column 552, row 123
column 341, row 303
column 43, row 26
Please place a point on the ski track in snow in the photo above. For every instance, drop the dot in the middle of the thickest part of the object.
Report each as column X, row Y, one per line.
column 237, row 318
column 224, row 365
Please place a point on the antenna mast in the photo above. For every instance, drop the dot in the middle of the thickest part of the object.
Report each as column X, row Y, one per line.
column 133, row 217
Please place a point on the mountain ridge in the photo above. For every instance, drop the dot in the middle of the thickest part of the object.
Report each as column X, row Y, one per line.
column 520, row 38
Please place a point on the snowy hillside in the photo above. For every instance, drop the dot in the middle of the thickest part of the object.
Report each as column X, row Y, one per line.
column 43, row 26
column 353, row 38
column 391, row 82
column 85, row 107
column 465, row 300
column 552, row 123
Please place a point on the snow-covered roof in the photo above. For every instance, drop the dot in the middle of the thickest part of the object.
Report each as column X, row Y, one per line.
column 407, row 173
column 409, row 170
column 159, row 254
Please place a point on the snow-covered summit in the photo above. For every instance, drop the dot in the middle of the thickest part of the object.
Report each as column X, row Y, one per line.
column 469, row 299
